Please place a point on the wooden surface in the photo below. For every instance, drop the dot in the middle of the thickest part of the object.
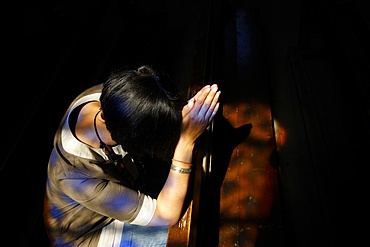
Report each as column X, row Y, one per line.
column 249, row 200
column 236, row 201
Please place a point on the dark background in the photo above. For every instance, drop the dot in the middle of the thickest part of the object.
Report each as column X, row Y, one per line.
column 316, row 54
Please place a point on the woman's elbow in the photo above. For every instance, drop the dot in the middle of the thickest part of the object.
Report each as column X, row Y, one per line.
column 164, row 220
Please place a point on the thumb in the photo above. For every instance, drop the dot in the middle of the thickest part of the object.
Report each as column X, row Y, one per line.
column 187, row 108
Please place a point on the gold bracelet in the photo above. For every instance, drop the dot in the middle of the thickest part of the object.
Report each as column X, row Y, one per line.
column 180, row 170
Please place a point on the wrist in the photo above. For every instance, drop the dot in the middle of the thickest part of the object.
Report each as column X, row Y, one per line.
column 183, row 154
column 181, row 170
column 181, row 163
column 185, row 144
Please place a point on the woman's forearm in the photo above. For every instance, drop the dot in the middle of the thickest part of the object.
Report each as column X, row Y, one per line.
column 171, row 198
column 197, row 115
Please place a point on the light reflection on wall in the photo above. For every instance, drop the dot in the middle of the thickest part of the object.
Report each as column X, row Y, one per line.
column 249, row 192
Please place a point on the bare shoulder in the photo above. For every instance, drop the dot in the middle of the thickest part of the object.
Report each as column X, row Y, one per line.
column 84, row 129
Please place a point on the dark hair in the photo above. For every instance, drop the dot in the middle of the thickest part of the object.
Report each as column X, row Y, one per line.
column 142, row 111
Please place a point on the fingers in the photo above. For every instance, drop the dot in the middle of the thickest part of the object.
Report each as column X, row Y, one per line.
column 212, row 110
column 201, row 91
column 189, row 106
column 206, row 102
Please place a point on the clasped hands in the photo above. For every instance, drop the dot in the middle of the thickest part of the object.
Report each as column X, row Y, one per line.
column 200, row 111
